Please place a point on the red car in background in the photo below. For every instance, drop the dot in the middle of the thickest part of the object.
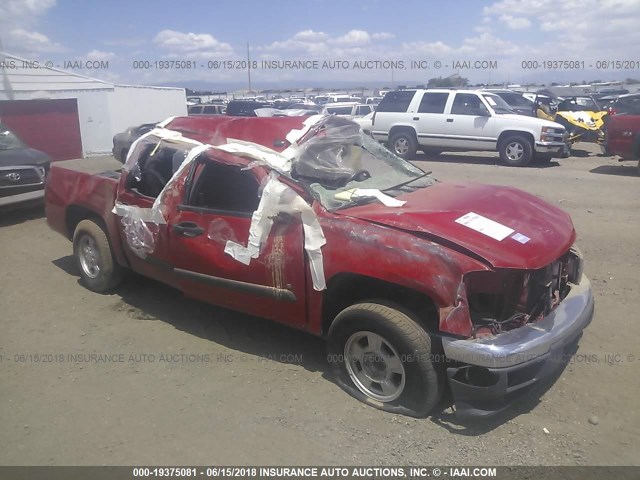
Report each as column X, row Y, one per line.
column 418, row 285
column 622, row 137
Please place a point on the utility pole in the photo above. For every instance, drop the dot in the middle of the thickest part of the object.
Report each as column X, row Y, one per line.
column 249, row 67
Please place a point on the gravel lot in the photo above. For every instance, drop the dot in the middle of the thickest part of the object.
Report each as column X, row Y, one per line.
column 187, row 383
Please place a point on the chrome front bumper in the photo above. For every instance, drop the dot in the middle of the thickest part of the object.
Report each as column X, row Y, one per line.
column 511, row 364
column 530, row 341
column 550, row 147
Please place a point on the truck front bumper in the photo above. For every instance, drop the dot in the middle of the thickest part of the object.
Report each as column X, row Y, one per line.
column 550, row 147
column 490, row 375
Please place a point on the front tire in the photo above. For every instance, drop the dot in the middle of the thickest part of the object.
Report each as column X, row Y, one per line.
column 98, row 269
column 516, row 151
column 382, row 357
column 404, row 145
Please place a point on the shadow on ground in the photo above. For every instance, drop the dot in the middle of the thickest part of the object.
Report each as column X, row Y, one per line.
column 146, row 300
column 16, row 214
column 628, row 170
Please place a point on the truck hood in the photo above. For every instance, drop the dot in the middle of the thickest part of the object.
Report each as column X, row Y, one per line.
column 22, row 157
column 545, row 232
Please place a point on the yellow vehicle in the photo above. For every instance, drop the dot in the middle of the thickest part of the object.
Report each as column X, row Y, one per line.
column 581, row 116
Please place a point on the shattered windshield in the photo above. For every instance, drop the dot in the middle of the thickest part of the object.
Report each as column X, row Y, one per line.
column 9, row 140
column 339, row 158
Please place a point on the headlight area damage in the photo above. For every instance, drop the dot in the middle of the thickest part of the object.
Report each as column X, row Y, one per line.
column 522, row 324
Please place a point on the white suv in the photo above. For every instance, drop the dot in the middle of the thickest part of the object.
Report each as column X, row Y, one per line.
column 442, row 119
column 347, row 109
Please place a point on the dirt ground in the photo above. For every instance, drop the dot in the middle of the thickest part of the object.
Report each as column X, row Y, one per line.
column 186, row 383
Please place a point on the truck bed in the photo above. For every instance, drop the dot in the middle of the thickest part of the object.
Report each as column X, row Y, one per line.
column 84, row 188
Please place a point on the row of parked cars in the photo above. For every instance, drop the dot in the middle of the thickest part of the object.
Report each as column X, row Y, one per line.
column 521, row 127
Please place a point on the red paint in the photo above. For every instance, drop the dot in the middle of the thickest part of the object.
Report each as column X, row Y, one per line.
column 51, row 126
column 418, row 246
column 623, row 135
column 434, row 210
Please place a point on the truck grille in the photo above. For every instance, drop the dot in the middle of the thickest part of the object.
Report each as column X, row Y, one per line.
column 21, row 176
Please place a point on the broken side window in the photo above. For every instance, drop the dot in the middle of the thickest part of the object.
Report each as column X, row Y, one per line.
column 153, row 163
column 224, row 188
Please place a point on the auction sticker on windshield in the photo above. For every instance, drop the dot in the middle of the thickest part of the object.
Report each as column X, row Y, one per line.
column 485, row 226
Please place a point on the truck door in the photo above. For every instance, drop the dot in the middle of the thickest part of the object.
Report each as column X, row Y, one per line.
column 431, row 123
column 217, row 208
column 150, row 166
column 470, row 124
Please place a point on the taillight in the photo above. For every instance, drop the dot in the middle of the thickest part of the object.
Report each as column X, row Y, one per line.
column 373, row 119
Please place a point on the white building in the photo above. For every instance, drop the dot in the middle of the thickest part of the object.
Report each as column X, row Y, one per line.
column 69, row 115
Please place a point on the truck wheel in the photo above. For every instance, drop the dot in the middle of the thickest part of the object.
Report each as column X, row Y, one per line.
column 404, row 145
column 516, row 151
column 382, row 357
column 98, row 269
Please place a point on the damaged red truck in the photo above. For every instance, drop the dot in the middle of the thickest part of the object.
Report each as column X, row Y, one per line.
column 418, row 285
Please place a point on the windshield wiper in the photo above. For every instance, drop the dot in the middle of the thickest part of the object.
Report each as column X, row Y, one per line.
column 406, row 183
column 357, row 201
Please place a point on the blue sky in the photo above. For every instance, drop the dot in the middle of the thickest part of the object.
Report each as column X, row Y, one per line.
column 507, row 32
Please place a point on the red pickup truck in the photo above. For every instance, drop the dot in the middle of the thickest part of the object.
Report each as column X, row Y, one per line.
column 622, row 137
column 418, row 285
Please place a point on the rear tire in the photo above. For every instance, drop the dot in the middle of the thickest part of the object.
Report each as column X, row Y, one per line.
column 99, row 271
column 516, row 151
column 404, row 145
column 383, row 358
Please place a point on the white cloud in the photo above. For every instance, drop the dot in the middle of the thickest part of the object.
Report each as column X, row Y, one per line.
column 310, row 36
column 32, row 42
column 317, row 44
column 99, row 55
column 22, row 11
column 18, row 19
column 435, row 49
column 515, row 23
column 587, row 29
column 190, row 42
column 382, row 36
column 353, row 38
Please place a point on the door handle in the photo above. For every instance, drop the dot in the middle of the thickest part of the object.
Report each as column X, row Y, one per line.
column 416, row 118
column 188, row 229
column 449, row 120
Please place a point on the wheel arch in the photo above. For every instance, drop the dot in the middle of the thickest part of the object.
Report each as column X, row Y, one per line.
column 75, row 213
column 410, row 129
column 521, row 133
column 345, row 289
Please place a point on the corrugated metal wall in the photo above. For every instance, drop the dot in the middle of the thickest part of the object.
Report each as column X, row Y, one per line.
column 51, row 126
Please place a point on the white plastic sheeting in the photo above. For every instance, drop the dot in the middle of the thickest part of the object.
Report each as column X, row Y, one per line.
column 276, row 198
column 280, row 198
column 135, row 220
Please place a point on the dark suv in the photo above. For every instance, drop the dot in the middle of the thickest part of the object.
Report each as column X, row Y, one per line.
column 22, row 169
column 629, row 104
column 518, row 102
column 244, row 108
